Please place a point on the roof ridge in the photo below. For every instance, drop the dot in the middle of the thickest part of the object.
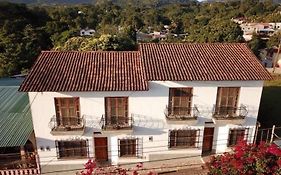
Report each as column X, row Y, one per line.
column 99, row 51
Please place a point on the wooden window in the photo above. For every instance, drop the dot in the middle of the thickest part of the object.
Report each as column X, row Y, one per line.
column 116, row 110
column 72, row 149
column 67, row 111
column 236, row 135
column 227, row 99
column 128, row 147
column 180, row 101
column 183, row 138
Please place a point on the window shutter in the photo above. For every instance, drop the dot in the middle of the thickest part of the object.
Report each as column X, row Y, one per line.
column 139, row 147
column 57, row 149
column 172, row 136
column 119, row 148
column 77, row 106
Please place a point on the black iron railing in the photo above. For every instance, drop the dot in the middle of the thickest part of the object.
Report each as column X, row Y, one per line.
column 181, row 113
column 230, row 112
column 116, row 122
column 67, row 123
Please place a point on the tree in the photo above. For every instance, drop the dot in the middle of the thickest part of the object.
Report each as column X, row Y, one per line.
column 274, row 40
column 248, row 159
column 104, row 42
column 256, row 44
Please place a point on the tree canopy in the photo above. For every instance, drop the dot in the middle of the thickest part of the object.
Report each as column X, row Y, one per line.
column 26, row 30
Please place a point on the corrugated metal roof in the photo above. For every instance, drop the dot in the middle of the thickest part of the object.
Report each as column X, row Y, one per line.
column 15, row 115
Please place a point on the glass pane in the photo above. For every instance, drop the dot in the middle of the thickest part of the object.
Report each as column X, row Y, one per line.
column 176, row 101
column 63, row 102
column 72, row 112
column 71, row 101
column 64, row 112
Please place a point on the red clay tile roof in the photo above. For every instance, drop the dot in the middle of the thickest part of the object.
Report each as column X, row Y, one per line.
column 196, row 62
column 86, row 71
column 130, row 71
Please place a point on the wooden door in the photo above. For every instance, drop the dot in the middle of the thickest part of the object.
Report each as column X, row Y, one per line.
column 101, row 150
column 208, row 140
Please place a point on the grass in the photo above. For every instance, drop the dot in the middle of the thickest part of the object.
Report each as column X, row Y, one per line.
column 270, row 106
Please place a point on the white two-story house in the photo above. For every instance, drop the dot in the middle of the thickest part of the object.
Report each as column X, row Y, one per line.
column 162, row 101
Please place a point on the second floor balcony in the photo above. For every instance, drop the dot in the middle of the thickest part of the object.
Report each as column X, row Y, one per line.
column 181, row 113
column 230, row 112
column 116, row 123
column 67, row 125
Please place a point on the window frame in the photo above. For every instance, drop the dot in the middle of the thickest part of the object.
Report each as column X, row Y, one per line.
column 84, row 143
column 227, row 109
column 59, row 107
column 173, row 144
column 109, row 118
column 237, row 131
column 172, row 104
column 135, row 151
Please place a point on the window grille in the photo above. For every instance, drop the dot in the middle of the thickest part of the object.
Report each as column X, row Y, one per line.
column 72, row 148
column 130, row 147
column 187, row 138
column 236, row 135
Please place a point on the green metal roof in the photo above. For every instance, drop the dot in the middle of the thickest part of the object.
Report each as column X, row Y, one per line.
column 15, row 115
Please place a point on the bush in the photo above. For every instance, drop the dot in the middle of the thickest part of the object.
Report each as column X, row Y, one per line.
column 248, row 159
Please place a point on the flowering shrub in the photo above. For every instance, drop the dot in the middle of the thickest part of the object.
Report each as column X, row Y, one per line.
column 248, row 159
column 91, row 168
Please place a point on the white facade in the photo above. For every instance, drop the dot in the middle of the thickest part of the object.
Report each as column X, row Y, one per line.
column 150, row 122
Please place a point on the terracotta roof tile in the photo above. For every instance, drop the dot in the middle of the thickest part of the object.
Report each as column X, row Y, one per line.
column 201, row 62
column 86, row 71
column 131, row 71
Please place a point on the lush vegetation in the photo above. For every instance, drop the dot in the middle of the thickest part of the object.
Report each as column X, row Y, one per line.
column 25, row 31
column 269, row 112
column 248, row 159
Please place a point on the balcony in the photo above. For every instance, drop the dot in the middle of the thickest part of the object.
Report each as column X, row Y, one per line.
column 234, row 115
column 182, row 114
column 115, row 123
column 67, row 125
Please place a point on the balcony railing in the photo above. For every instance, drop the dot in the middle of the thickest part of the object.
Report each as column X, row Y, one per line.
column 229, row 112
column 116, row 122
column 67, row 123
column 181, row 113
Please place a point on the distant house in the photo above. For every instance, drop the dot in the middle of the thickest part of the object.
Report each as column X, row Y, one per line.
column 265, row 30
column 268, row 55
column 87, row 32
column 164, row 101
column 17, row 139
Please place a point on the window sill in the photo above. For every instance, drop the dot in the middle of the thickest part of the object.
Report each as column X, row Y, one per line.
column 228, row 117
column 183, row 147
column 72, row 158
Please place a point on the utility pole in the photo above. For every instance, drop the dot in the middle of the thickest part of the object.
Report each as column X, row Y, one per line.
column 275, row 59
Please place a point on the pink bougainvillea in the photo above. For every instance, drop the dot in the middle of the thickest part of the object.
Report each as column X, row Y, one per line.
column 91, row 168
column 248, row 159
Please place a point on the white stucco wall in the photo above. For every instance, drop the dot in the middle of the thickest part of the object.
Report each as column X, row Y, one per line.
column 148, row 106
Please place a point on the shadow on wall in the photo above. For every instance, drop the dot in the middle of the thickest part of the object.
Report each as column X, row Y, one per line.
column 45, row 144
column 270, row 111
column 148, row 131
